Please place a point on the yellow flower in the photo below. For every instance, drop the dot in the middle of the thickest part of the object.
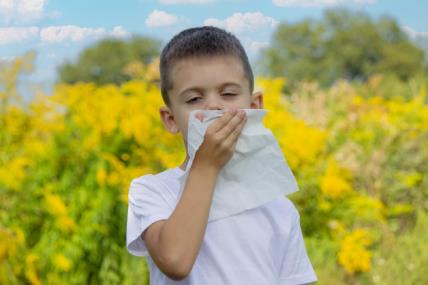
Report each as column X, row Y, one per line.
column 31, row 276
column 101, row 176
column 353, row 254
column 368, row 208
column 334, row 183
column 30, row 258
column 14, row 172
column 61, row 262
column 7, row 243
column 30, row 273
column 409, row 179
column 300, row 142
column 65, row 223
column 20, row 235
column 357, row 100
column 55, row 205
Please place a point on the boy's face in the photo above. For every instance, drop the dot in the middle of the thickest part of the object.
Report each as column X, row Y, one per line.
column 212, row 83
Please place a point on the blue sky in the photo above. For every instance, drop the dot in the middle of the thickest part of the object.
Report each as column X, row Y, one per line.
column 59, row 30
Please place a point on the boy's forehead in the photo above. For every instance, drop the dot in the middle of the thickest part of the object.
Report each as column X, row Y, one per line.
column 180, row 68
column 204, row 61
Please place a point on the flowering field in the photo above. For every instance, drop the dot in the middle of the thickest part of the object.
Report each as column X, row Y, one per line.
column 359, row 153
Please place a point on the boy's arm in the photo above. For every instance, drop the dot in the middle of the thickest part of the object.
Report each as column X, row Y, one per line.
column 174, row 243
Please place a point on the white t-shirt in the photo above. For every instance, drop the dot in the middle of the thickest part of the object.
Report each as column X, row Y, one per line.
column 259, row 246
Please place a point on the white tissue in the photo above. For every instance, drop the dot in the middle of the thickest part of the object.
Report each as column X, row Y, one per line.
column 256, row 173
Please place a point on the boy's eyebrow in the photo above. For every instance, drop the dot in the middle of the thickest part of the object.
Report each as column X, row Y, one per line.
column 198, row 88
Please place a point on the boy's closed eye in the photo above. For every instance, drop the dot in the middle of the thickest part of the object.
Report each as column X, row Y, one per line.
column 196, row 98
column 193, row 100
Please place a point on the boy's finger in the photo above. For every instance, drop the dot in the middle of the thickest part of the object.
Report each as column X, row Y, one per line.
column 223, row 120
column 232, row 135
column 231, row 125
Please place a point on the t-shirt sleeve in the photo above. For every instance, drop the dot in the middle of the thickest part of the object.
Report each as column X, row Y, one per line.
column 296, row 268
column 146, row 205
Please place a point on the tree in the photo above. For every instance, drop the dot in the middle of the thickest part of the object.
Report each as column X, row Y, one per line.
column 341, row 45
column 104, row 62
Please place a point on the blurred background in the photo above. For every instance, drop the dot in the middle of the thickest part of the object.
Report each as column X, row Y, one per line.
column 345, row 83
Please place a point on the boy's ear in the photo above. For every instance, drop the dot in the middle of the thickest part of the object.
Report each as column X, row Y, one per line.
column 257, row 100
column 168, row 119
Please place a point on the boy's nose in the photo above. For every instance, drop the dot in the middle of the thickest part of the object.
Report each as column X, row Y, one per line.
column 214, row 104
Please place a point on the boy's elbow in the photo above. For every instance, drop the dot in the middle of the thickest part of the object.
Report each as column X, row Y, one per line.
column 177, row 275
column 168, row 260
column 175, row 269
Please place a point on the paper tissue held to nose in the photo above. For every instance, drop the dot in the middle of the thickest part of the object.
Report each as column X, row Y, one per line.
column 256, row 173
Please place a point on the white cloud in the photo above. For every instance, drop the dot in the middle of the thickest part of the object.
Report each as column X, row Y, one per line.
column 364, row 1
column 119, row 32
column 160, row 19
column 17, row 34
column 319, row 3
column 186, row 1
column 414, row 34
column 7, row 58
column 22, row 10
column 247, row 22
column 55, row 34
column 6, row 5
column 31, row 6
column 256, row 46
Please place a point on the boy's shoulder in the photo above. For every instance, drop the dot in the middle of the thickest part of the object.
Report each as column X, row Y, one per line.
column 285, row 208
column 162, row 185
column 156, row 178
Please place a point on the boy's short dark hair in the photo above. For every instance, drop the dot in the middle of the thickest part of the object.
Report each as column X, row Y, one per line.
column 200, row 42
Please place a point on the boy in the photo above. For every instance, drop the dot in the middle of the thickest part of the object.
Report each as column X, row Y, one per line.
column 207, row 68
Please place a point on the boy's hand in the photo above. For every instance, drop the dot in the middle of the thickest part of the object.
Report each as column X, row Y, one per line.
column 220, row 139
